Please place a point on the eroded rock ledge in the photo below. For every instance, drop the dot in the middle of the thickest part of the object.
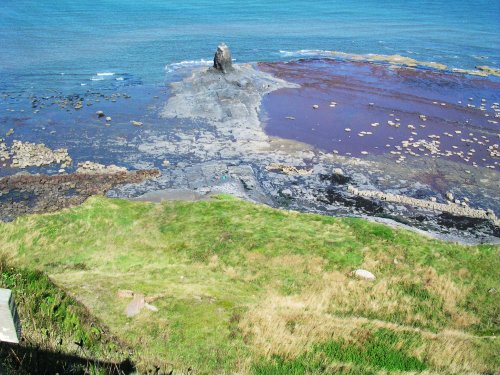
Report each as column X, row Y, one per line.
column 26, row 193
column 451, row 208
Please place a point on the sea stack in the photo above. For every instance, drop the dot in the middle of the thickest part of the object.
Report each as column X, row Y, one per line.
column 222, row 59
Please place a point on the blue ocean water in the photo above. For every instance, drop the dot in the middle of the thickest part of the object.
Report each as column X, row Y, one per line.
column 62, row 45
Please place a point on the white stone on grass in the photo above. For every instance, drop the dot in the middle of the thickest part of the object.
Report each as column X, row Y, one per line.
column 363, row 274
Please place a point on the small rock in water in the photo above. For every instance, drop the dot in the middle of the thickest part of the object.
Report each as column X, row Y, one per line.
column 363, row 274
column 136, row 123
column 165, row 163
column 100, row 114
column 315, row 106
column 9, row 132
column 449, row 196
column 108, row 119
column 338, row 171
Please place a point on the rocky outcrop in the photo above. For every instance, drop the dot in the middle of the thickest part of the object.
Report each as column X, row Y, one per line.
column 451, row 208
column 26, row 154
column 222, row 59
column 26, row 193
column 90, row 167
column 228, row 102
column 288, row 169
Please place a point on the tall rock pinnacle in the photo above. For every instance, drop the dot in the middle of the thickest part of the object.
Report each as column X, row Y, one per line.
column 222, row 59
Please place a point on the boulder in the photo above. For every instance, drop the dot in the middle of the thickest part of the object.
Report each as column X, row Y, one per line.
column 222, row 59
column 363, row 274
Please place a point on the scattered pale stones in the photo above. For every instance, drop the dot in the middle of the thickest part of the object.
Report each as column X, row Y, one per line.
column 363, row 274
column 26, row 154
column 89, row 167
column 288, row 169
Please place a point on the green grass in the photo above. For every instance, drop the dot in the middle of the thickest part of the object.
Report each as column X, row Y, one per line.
column 54, row 322
column 250, row 289
column 378, row 352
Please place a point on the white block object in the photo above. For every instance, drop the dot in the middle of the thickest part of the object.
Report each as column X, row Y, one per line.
column 10, row 326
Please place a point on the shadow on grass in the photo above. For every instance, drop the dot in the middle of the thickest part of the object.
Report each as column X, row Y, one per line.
column 20, row 359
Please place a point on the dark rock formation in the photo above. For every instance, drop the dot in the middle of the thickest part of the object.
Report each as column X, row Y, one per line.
column 222, row 59
column 27, row 194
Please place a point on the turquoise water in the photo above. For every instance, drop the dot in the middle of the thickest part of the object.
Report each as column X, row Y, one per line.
column 62, row 45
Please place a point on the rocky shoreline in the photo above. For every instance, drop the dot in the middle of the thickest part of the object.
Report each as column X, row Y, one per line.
column 210, row 137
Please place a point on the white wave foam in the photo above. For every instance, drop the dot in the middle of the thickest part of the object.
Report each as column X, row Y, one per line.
column 101, row 76
column 305, row 53
column 119, row 79
column 187, row 64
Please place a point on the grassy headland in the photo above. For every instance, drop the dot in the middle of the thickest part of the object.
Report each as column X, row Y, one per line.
column 243, row 288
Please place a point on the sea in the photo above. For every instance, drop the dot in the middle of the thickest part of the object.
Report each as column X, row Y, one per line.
column 69, row 47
